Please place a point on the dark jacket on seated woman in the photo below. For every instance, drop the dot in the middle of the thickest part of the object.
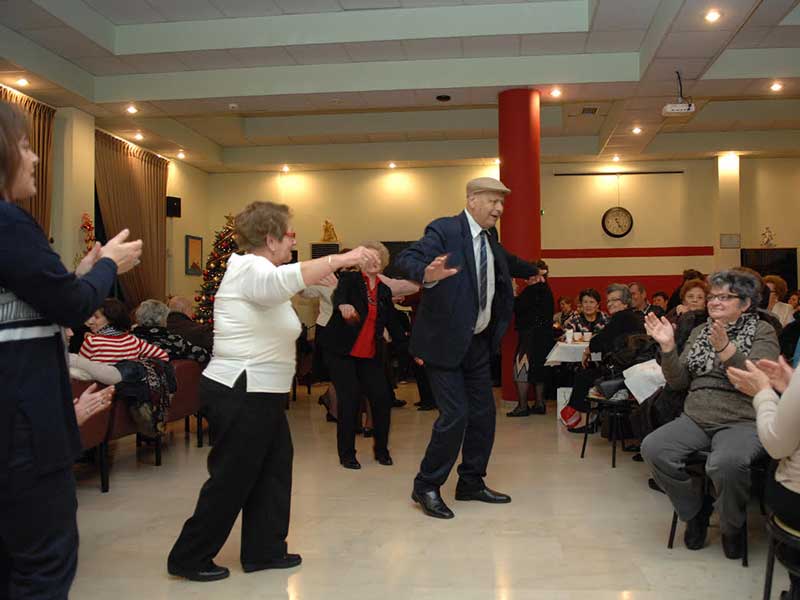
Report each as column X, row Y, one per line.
column 614, row 336
column 173, row 344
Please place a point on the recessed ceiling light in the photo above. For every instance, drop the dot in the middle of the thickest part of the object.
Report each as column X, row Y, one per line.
column 233, row 106
column 443, row 98
column 555, row 92
column 713, row 15
column 616, row 158
column 285, row 168
column 392, row 165
column 181, row 154
column 138, row 137
column 132, row 110
column 776, row 86
column 497, row 161
column 22, row 82
column 637, row 130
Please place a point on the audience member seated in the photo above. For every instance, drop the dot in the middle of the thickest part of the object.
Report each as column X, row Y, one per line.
column 777, row 292
column 180, row 320
column 692, row 296
column 565, row 311
column 590, row 319
column 789, row 337
column 610, row 342
column 639, row 300
column 675, row 298
column 110, row 340
column 716, row 417
column 778, row 424
column 661, row 299
column 151, row 321
column 794, row 301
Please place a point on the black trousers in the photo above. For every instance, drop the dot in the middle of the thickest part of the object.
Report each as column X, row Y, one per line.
column 353, row 377
column 250, row 471
column 584, row 380
column 38, row 526
column 423, row 385
column 466, row 421
column 786, row 505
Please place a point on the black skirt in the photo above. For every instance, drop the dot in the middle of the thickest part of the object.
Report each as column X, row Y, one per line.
column 533, row 346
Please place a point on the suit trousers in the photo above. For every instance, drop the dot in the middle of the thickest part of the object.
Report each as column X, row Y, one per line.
column 733, row 449
column 250, row 471
column 38, row 526
column 353, row 377
column 466, row 421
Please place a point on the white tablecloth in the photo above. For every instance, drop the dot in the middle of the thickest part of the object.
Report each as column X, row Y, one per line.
column 563, row 352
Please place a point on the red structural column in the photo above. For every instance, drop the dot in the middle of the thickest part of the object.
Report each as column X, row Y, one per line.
column 520, row 228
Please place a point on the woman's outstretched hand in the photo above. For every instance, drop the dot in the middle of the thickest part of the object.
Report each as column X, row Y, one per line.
column 661, row 331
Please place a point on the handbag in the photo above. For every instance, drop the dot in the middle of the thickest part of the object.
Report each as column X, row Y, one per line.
column 609, row 387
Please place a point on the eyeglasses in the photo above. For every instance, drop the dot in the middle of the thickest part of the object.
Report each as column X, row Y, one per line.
column 721, row 297
column 610, row 300
column 290, row 234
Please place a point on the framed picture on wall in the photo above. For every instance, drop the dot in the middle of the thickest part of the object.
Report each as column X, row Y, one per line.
column 194, row 255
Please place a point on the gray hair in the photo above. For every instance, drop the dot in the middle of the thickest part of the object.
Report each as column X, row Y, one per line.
column 624, row 290
column 152, row 313
column 740, row 283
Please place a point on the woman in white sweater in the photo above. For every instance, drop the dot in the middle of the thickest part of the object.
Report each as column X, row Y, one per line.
column 778, row 422
column 244, row 390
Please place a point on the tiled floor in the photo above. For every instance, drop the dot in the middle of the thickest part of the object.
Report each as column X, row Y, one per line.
column 575, row 529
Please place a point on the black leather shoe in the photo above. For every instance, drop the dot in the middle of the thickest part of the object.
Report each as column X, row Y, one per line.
column 211, row 572
column 733, row 544
column 426, row 407
column 697, row 527
column 432, row 504
column 287, row 561
column 330, row 418
column 484, row 495
column 653, row 485
column 591, row 427
column 637, row 457
column 350, row 463
column 519, row 411
column 396, row 403
column 539, row 409
column 385, row 460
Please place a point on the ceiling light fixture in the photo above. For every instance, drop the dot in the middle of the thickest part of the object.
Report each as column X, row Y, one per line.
column 138, row 137
column 713, row 15
column 497, row 161
column 22, row 82
column 636, row 130
column 132, row 110
column 616, row 158
column 776, row 86
column 285, row 168
column 392, row 165
column 555, row 92
column 181, row 154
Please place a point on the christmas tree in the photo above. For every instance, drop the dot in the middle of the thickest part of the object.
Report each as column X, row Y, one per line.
column 224, row 245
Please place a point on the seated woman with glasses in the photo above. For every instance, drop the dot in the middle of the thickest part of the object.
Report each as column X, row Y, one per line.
column 716, row 417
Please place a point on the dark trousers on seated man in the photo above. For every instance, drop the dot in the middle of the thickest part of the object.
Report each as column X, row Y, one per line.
column 466, row 421
column 733, row 449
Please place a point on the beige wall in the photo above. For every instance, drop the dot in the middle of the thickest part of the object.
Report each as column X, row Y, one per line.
column 192, row 187
column 73, row 181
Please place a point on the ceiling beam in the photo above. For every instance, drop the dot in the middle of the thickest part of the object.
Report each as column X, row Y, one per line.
column 755, row 63
column 83, row 19
column 181, row 135
column 384, row 122
column 376, row 76
column 45, row 64
column 659, row 27
column 725, row 141
column 610, row 124
column 355, row 26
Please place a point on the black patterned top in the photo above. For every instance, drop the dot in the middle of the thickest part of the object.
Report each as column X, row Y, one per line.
column 175, row 345
column 579, row 323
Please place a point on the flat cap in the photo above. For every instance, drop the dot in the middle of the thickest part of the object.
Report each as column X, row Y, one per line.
column 486, row 184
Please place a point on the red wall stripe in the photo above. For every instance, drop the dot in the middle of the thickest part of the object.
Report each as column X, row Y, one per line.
column 628, row 252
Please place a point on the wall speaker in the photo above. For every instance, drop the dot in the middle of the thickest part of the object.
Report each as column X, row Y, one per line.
column 173, row 206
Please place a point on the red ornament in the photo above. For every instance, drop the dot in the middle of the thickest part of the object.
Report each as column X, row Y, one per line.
column 205, row 272
column 212, row 298
column 197, row 298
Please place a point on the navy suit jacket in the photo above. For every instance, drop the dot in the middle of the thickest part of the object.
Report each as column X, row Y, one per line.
column 445, row 320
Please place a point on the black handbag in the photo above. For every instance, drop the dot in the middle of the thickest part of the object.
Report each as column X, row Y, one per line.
column 609, row 387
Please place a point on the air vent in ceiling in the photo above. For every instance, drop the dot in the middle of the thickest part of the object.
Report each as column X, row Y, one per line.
column 589, row 110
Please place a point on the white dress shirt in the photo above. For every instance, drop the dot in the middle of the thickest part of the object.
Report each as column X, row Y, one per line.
column 255, row 326
column 485, row 315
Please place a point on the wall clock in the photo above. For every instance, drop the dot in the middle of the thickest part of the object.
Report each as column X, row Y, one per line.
column 617, row 222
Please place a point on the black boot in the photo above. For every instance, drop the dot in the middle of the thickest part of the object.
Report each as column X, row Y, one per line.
column 733, row 543
column 697, row 527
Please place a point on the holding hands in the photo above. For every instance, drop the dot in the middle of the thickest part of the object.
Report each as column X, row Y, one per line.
column 364, row 258
column 661, row 331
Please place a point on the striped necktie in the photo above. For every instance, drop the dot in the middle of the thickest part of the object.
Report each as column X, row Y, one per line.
column 482, row 292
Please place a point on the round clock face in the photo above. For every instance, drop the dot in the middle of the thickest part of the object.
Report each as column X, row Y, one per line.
column 617, row 222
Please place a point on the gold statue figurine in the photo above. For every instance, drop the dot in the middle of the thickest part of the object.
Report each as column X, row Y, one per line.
column 328, row 232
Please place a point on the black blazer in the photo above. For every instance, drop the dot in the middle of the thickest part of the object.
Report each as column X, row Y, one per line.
column 36, row 295
column 340, row 336
column 445, row 321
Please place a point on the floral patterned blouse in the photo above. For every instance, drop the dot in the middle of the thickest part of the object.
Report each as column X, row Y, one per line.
column 579, row 323
column 175, row 345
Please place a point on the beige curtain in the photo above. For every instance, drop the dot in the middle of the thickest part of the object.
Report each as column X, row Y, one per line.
column 131, row 190
column 41, row 119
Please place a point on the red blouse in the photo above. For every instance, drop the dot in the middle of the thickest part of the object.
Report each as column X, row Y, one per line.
column 365, row 343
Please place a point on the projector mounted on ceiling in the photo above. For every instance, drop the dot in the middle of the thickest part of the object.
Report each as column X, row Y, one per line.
column 681, row 106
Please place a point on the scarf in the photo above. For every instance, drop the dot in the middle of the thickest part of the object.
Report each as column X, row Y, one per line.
column 110, row 331
column 702, row 356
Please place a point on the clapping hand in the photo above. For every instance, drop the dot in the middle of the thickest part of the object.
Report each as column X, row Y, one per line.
column 438, row 270
column 779, row 373
column 125, row 254
column 718, row 336
column 92, row 402
column 87, row 262
column 750, row 381
column 661, row 331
